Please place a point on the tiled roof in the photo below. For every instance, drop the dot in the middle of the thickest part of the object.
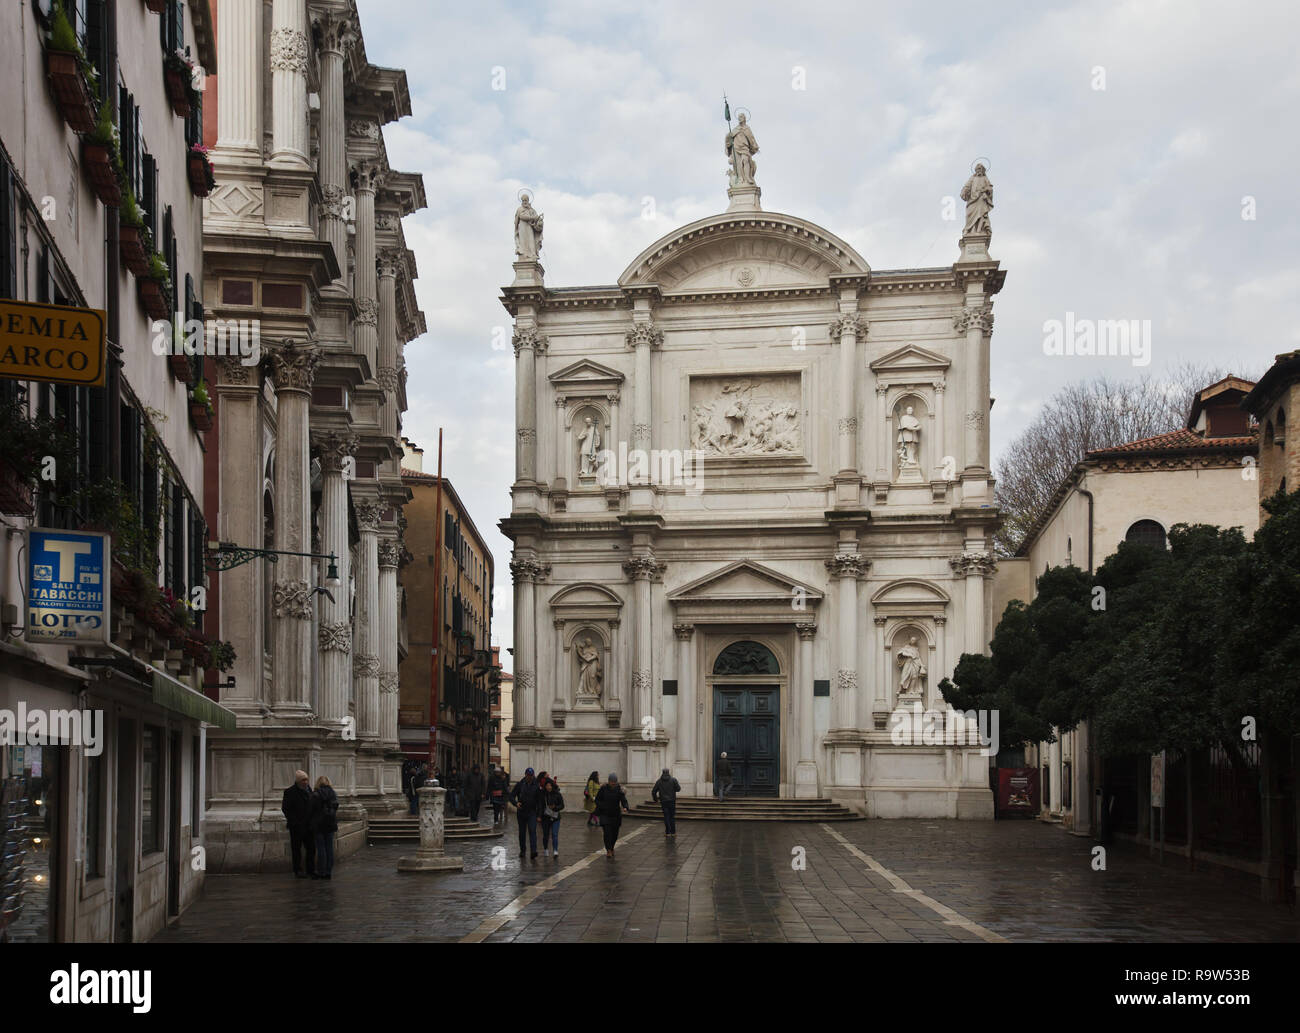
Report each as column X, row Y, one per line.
column 1181, row 440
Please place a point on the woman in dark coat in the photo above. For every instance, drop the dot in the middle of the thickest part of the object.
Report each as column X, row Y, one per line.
column 552, row 805
column 324, row 823
column 611, row 804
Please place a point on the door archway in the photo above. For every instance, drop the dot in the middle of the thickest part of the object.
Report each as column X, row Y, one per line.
column 746, row 687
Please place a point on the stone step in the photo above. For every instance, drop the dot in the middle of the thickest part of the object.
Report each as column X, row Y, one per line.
column 751, row 809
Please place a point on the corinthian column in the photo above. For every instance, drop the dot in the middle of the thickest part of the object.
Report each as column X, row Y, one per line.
column 390, row 556
column 387, row 265
column 239, row 113
column 974, row 567
column 642, row 570
column 976, row 322
column 291, row 594
column 685, row 731
column 846, row 567
column 528, row 342
column 334, row 637
column 366, row 177
column 845, row 331
column 643, row 336
column 336, row 37
column 365, row 662
column 805, row 773
column 526, row 572
column 289, row 50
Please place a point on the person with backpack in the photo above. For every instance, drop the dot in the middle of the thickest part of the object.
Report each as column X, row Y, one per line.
column 498, row 787
column 324, row 823
column 473, row 788
column 552, row 805
column 526, row 796
column 665, row 793
column 589, row 798
column 611, row 804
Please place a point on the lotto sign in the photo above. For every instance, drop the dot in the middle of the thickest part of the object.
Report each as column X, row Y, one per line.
column 68, row 581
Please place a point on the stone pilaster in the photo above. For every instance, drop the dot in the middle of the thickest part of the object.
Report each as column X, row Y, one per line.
column 390, row 556
column 528, row 342
column 294, row 371
column 975, row 567
column 389, row 261
column 684, row 733
column 289, row 65
column 334, row 637
column 526, row 573
column 366, row 178
column 805, row 775
column 642, row 570
column 844, row 333
column 239, row 42
column 976, row 322
column 642, row 339
column 365, row 652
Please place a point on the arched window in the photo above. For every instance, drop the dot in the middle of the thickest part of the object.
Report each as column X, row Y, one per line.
column 746, row 658
column 1147, row 532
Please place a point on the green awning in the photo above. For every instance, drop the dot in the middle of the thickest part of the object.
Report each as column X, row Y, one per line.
column 180, row 698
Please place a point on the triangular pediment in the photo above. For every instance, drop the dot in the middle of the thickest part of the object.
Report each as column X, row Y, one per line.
column 585, row 371
column 910, row 357
column 744, row 581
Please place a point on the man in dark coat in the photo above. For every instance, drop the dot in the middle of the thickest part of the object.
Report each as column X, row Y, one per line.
column 665, row 791
column 611, row 805
column 498, row 790
column 724, row 777
column 527, row 798
column 474, row 786
column 297, row 812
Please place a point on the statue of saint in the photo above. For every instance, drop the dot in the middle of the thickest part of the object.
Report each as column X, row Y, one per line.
column 741, row 148
column 978, row 195
column 909, row 661
column 909, row 439
column 528, row 230
column 589, row 445
column 589, row 673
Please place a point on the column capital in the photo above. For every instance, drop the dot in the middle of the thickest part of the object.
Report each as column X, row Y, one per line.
column 233, row 372
column 683, row 631
column 848, row 564
column 334, row 450
column 390, row 554
column 334, row 32
column 970, row 563
column 389, row 261
column 528, row 337
column 806, row 631
column 367, row 175
column 850, row 324
column 644, row 568
column 367, row 515
column 295, row 364
column 527, row 570
column 644, row 334
column 289, row 50
column 980, row 317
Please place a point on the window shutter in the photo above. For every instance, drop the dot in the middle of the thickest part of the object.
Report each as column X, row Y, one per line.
column 149, row 191
column 179, row 7
column 97, row 38
column 43, row 276
column 8, row 233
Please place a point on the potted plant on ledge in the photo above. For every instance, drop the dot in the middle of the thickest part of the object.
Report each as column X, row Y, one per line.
column 101, row 156
column 178, row 76
column 70, row 75
column 133, row 242
column 155, row 288
column 156, row 6
column 200, row 407
column 202, row 178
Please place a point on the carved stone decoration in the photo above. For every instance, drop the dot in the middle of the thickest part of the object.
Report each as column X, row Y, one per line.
column 388, row 683
column 683, row 632
column 848, row 424
column 289, row 51
column 387, row 378
column 525, row 680
column 528, row 337
column 526, row 434
column 367, row 175
column 978, row 195
column 848, row 564
column 640, row 432
column 909, row 440
column 806, row 631
column 912, row 672
column 529, row 570
column 641, row 681
column 334, row 450
column 975, row 420
column 740, row 148
column 389, row 261
column 848, row 680
column 334, row 33
column 363, row 129
column 367, row 515
column 590, row 672
column 390, row 554
column 746, row 658
column 528, row 230
column 855, row 325
column 291, row 598
column 644, row 568
column 232, row 372
column 387, row 220
column 973, row 563
column 332, row 198
column 644, row 333
column 746, row 416
column 295, row 365
column 365, row 666
column 969, row 318
column 367, row 312
column 335, row 638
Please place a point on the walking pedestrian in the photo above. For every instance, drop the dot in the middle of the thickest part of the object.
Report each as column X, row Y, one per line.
column 324, row 823
column 296, row 807
column 453, row 789
column 589, row 798
column 724, row 777
column 526, row 796
column 552, row 805
column 498, row 787
column 474, row 786
column 611, row 804
column 665, row 792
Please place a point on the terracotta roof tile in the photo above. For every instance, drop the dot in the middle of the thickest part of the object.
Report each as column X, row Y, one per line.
column 1174, row 441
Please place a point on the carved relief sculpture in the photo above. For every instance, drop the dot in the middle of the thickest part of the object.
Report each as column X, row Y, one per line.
column 751, row 416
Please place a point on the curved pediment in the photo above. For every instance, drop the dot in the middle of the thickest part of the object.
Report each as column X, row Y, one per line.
column 585, row 594
column 910, row 593
column 744, row 251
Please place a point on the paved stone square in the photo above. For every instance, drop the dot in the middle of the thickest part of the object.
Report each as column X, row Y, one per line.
column 869, row 881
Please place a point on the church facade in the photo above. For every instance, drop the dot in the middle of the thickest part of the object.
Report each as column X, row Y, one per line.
column 753, row 512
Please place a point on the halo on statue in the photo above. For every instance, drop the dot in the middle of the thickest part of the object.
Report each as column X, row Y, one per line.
column 988, row 165
column 525, row 192
column 744, row 111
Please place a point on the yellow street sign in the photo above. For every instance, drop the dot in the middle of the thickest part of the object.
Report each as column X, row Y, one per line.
column 59, row 344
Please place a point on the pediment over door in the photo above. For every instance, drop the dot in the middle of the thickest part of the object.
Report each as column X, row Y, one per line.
column 911, row 359
column 747, row 591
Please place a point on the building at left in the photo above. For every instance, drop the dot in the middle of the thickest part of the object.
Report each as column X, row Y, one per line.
column 104, row 413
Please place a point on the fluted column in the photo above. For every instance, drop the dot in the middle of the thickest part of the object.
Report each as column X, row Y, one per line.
column 389, row 261
column 239, row 111
column 336, row 37
column 641, row 570
column 805, row 775
column 390, row 555
column 334, row 637
column 365, row 662
column 846, row 567
column 684, row 733
column 295, row 369
column 976, row 321
column 289, row 64
column 366, row 177
column 643, row 336
column 528, row 342
column 974, row 567
column 845, row 330
column 526, row 573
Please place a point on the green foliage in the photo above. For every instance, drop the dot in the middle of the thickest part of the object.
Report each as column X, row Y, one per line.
column 63, row 37
column 129, row 211
column 200, row 394
column 29, row 439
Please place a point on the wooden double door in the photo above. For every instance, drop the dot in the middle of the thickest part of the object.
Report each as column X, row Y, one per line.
column 747, row 727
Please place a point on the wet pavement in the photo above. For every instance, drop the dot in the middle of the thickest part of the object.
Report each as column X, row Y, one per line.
column 868, row 881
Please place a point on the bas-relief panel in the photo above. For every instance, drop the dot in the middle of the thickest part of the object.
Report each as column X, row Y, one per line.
column 755, row 415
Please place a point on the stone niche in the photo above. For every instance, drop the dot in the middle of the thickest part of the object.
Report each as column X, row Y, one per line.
column 749, row 415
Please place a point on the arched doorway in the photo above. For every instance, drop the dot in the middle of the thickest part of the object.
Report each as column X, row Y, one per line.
column 747, row 717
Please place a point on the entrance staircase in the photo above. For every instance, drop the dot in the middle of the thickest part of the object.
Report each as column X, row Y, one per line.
column 402, row 828
column 752, row 808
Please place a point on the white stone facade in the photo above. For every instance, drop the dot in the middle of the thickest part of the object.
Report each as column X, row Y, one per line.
column 764, row 370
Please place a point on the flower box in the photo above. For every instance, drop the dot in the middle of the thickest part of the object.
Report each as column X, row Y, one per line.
column 177, row 94
column 201, row 176
column 71, row 92
column 156, row 6
column 200, row 416
column 182, row 368
column 15, row 493
column 97, row 160
column 130, row 245
column 152, row 297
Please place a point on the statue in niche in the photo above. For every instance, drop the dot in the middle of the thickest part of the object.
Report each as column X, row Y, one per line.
column 909, row 440
column 528, row 230
column 589, row 447
column 589, row 669
column 741, row 148
column 912, row 679
column 978, row 195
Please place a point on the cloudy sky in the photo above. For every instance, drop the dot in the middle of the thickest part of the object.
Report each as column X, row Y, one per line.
column 1125, row 142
